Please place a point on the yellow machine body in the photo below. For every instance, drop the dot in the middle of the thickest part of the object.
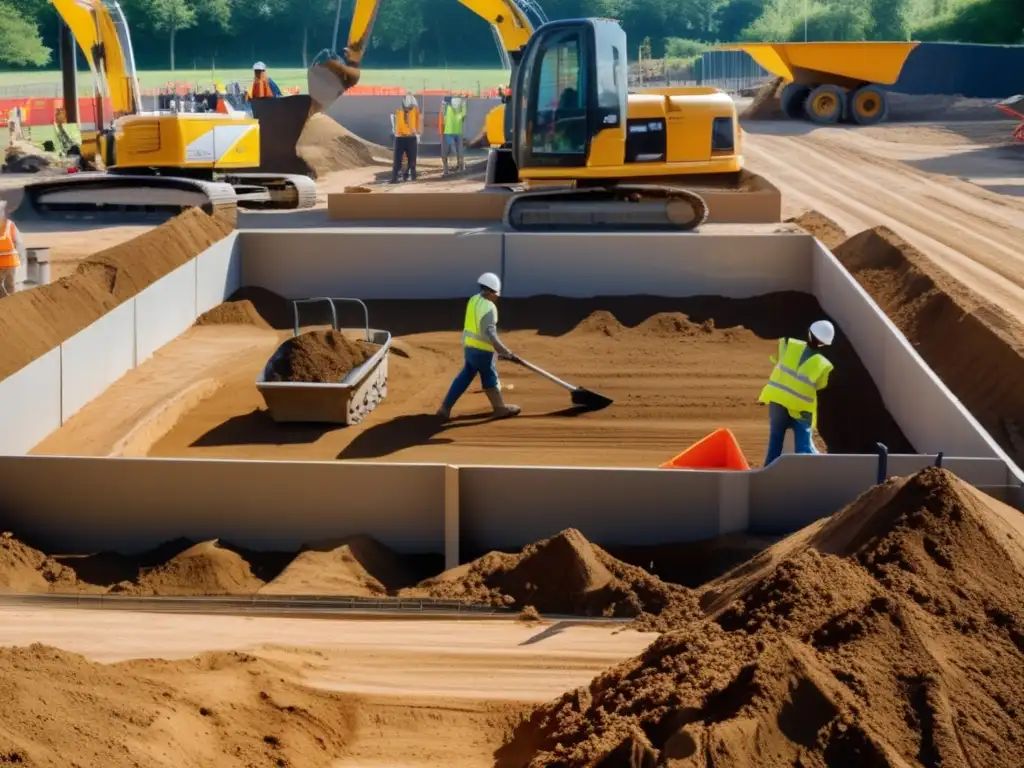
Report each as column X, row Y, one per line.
column 202, row 141
column 814, row 63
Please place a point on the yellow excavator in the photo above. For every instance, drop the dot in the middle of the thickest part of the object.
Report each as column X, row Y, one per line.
column 589, row 153
column 161, row 161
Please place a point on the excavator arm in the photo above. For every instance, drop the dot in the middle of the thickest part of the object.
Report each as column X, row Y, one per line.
column 100, row 29
column 331, row 74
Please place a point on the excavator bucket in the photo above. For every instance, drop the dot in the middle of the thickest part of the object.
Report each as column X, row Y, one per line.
column 283, row 119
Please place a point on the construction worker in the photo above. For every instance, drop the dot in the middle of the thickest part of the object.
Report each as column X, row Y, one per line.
column 479, row 343
column 262, row 86
column 406, row 127
column 450, row 122
column 11, row 251
column 800, row 372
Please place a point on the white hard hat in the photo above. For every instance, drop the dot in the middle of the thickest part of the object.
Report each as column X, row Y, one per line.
column 456, row 101
column 259, row 66
column 409, row 101
column 823, row 331
column 492, row 281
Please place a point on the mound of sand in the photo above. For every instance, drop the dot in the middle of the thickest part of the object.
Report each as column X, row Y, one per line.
column 204, row 569
column 34, row 322
column 28, row 571
column 891, row 634
column 962, row 337
column 242, row 312
column 661, row 324
column 320, row 357
column 357, row 565
column 228, row 709
column 326, row 146
column 600, row 322
column 766, row 104
column 565, row 574
column 821, row 226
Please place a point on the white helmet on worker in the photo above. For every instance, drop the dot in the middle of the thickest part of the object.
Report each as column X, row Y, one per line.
column 491, row 282
column 259, row 66
column 409, row 101
column 823, row 331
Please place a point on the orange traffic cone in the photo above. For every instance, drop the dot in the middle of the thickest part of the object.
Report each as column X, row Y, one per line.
column 719, row 450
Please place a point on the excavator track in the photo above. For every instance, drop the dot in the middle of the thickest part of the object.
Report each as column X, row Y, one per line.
column 616, row 208
column 273, row 191
column 119, row 197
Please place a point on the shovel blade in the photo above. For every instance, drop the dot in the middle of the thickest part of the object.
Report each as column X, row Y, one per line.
column 592, row 401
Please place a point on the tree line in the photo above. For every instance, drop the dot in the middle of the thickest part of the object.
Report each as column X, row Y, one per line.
column 201, row 34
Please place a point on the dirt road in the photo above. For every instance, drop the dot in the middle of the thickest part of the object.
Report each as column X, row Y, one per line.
column 945, row 190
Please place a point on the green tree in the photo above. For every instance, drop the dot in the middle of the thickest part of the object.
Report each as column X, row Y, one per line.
column 20, row 42
column 170, row 16
column 888, row 20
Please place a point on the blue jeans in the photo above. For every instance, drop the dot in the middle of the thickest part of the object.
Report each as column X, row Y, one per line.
column 779, row 421
column 477, row 361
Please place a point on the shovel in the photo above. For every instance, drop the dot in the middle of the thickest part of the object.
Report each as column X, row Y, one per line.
column 581, row 397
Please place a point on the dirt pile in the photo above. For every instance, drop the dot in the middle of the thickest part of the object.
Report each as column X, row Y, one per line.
column 326, row 147
column 228, row 709
column 241, row 312
column 204, row 569
column 34, row 322
column 27, row 570
column 766, row 105
column 661, row 324
column 891, row 634
column 821, row 226
column 320, row 357
column 565, row 574
column 963, row 338
column 358, row 565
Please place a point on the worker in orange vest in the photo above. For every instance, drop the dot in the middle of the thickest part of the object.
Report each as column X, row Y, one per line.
column 262, row 86
column 406, row 127
column 11, row 250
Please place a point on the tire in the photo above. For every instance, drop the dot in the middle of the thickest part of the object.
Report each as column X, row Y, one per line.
column 792, row 99
column 868, row 105
column 826, row 105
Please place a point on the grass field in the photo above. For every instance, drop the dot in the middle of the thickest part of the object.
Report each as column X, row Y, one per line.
column 46, row 84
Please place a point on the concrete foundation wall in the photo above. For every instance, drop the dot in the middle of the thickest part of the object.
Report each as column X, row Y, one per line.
column 419, row 508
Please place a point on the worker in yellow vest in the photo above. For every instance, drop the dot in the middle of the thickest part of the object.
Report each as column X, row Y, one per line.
column 480, row 343
column 451, row 122
column 11, row 251
column 406, row 127
column 800, row 372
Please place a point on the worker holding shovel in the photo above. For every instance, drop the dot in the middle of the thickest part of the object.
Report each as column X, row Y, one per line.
column 800, row 372
column 480, row 342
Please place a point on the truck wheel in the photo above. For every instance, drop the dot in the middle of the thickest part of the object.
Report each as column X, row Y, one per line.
column 869, row 105
column 792, row 100
column 826, row 104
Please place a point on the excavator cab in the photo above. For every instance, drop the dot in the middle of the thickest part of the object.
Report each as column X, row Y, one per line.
column 570, row 98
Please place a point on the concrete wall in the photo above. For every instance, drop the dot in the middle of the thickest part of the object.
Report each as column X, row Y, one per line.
column 132, row 504
column 54, row 388
column 370, row 263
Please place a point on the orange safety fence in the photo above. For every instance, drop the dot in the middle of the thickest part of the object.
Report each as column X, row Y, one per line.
column 719, row 450
column 39, row 112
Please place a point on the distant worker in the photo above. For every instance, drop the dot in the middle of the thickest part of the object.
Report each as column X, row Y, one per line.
column 479, row 343
column 406, row 127
column 11, row 251
column 801, row 371
column 14, row 132
column 450, row 123
column 262, row 86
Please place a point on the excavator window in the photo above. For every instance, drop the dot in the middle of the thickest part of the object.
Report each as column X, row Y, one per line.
column 560, row 123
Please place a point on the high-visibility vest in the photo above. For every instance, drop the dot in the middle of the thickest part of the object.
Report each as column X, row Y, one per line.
column 8, row 251
column 407, row 126
column 793, row 385
column 472, row 333
column 453, row 120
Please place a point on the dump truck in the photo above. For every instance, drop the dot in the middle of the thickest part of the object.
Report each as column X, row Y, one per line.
column 828, row 83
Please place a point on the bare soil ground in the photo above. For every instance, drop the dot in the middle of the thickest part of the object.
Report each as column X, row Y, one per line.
column 677, row 370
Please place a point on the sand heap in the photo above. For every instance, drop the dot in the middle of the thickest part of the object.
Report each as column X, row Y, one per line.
column 242, row 312
column 320, row 357
column 204, row 569
column 27, row 570
column 891, row 634
column 34, row 322
column 565, row 574
column 766, row 105
column 359, row 566
column 821, row 226
column 326, row 147
column 227, row 709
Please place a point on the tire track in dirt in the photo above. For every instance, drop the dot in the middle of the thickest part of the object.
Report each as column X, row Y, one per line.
column 975, row 235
